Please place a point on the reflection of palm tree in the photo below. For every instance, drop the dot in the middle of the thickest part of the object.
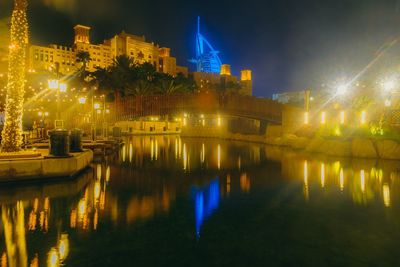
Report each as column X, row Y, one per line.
column 12, row 132
column 14, row 231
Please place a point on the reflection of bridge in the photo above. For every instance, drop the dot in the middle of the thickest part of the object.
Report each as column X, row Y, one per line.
column 208, row 103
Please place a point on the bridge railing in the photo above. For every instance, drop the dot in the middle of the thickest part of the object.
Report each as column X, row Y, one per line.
column 159, row 105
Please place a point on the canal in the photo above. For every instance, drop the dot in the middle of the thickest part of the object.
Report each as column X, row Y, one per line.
column 171, row 201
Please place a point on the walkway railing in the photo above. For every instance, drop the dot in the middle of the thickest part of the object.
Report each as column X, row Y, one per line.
column 208, row 103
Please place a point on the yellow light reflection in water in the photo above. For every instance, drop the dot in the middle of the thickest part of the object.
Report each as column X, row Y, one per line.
column 97, row 190
column 35, row 204
column 176, row 148
column 203, row 154
column 156, row 150
column 386, row 195
column 95, row 219
column 152, row 149
column 63, row 247
column 240, row 163
column 322, row 175
column 81, row 208
column 98, row 172
column 4, row 260
column 53, row 259
column 124, row 153
column 180, row 147
column 341, row 179
column 219, row 121
column 336, row 167
column 108, row 174
column 219, row 157
column 13, row 219
column 362, row 180
column 305, row 178
column 34, row 262
column 185, row 157
column 130, row 152
column 244, row 182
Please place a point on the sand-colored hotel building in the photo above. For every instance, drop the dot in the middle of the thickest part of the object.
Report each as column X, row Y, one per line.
column 102, row 55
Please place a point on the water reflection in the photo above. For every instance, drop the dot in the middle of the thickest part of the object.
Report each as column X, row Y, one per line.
column 206, row 202
column 162, row 180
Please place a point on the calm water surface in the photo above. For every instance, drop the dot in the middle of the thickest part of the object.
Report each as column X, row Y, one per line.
column 167, row 201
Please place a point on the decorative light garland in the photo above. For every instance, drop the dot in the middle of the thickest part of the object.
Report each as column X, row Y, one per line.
column 12, row 132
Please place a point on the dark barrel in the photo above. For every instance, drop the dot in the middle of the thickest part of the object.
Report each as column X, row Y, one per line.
column 75, row 141
column 59, row 143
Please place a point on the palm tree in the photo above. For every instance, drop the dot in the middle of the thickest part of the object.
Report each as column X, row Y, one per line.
column 12, row 132
column 170, row 87
column 83, row 57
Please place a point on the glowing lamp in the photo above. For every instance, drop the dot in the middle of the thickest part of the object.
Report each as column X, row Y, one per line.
column 107, row 111
column 53, row 84
column 342, row 89
column 82, row 100
column 46, row 114
column 96, row 106
column 389, row 85
column 388, row 103
column 63, row 87
column 40, row 114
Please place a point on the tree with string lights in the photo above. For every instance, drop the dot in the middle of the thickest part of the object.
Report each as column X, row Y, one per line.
column 12, row 132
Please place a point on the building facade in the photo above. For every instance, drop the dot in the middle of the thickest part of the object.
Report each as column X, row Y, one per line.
column 44, row 58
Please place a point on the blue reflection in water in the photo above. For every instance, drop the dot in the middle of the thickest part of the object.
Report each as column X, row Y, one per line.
column 206, row 202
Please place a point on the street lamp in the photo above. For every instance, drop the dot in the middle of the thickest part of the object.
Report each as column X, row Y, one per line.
column 342, row 89
column 389, row 85
column 42, row 115
column 82, row 100
column 61, row 88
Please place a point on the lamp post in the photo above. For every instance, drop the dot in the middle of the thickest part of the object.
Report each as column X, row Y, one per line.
column 42, row 115
column 55, row 84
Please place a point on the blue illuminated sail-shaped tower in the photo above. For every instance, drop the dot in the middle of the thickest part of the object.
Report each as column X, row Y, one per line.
column 207, row 59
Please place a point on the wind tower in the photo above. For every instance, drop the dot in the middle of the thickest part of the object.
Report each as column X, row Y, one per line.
column 207, row 59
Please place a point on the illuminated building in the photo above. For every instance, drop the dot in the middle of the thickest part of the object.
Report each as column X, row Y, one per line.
column 211, row 73
column 100, row 54
column 207, row 59
column 226, row 70
column 43, row 58
column 246, row 81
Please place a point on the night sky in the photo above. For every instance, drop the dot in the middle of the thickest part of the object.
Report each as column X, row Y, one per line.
column 289, row 45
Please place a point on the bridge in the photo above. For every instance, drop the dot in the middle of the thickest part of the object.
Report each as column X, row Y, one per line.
column 264, row 110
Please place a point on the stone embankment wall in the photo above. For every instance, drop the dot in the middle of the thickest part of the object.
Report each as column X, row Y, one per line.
column 354, row 147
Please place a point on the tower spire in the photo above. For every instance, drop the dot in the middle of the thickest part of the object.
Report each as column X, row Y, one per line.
column 198, row 25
